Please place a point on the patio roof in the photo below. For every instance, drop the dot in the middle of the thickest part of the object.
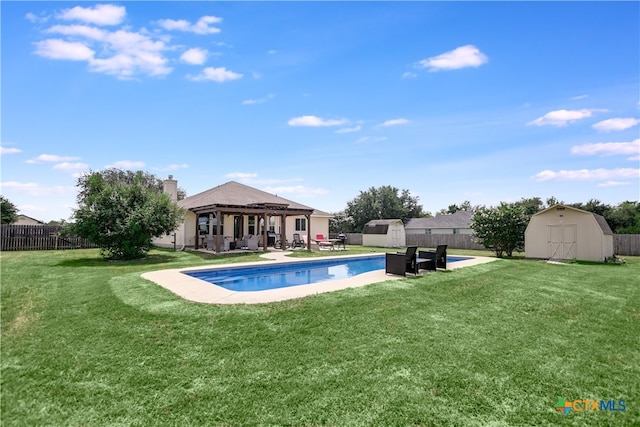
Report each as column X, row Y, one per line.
column 239, row 198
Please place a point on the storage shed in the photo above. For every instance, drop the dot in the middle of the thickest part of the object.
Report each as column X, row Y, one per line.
column 565, row 232
column 386, row 233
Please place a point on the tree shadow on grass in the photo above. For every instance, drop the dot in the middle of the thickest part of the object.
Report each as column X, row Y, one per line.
column 152, row 259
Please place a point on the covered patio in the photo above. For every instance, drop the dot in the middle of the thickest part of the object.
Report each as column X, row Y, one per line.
column 242, row 214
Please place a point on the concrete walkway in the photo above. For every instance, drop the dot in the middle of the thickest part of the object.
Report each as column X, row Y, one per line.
column 197, row 290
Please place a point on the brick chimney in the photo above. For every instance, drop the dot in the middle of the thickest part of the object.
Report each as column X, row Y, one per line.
column 170, row 186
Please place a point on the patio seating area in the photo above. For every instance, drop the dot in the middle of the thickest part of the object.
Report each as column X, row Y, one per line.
column 401, row 263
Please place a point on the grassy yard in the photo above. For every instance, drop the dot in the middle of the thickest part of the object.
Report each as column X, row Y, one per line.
column 87, row 342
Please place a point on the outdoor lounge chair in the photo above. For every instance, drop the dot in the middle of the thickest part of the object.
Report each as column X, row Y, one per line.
column 437, row 259
column 297, row 241
column 211, row 243
column 252, row 243
column 401, row 263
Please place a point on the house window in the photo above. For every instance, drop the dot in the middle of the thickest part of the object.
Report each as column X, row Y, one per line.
column 301, row 224
column 203, row 225
column 252, row 225
column 456, row 231
column 427, row 231
column 272, row 224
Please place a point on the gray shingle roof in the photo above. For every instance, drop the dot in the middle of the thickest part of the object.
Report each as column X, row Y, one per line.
column 378, row 226
column 235, row 194
column 460, row 219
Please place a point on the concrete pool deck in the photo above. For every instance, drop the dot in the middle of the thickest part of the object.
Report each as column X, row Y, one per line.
column 197, row 290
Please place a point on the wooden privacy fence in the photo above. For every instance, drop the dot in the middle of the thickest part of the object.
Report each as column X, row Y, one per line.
column 623, row 244
column 38, row 237
column 453, row 241
column 626, row 244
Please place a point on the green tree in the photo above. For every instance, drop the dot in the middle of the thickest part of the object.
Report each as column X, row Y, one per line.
column 385, row 202
column 625, row 218
column 531, row 206
column 340, row 222
column 501, row 229
column 465, row 206
column 121, row 211
column 8, row 211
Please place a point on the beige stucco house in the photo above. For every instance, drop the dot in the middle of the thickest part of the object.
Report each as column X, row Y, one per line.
column 243, row 211
column 565, row 232
column 386, row 233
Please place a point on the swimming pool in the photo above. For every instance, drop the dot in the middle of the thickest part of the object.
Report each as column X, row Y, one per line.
column 260, row 278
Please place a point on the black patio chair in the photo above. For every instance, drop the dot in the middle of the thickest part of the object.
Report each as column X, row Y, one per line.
column 297, row 241
column 401, row 263
column 437, row 259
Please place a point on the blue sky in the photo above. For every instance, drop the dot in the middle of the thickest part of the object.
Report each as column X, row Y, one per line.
column 315, row 102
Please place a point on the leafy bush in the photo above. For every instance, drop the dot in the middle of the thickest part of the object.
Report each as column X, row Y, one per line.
column 122, row 211
column 501, row 229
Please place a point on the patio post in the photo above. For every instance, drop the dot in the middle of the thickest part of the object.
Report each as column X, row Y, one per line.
column 218, row 242
column 265, row 234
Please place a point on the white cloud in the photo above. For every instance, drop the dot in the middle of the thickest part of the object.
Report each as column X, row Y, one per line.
column 195, row 56
column 562, row 117
column 34, row 189
column 71, row 167
column 349, row 130
column 241, row 175
column 272, row 52
column 126, row 164
column 409, row 75
column 259, row 100
column 587, row 174
column 613, row 184
column 315, row 121
column 61, row 49
column 462, row 57
column 4, row 150
column 575, row 98
column 203, row 26
column 32, row 17
column 608, row 149
column 52, row 158
column 371, row 139
column 101, row 14
column 617, row 124
column 395, row 122
column 215, row 74
column 85, row 31
column 174, row 166
column 300, row 191
column 121, row 53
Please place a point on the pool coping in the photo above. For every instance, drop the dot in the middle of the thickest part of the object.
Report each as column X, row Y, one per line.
column 197, row 290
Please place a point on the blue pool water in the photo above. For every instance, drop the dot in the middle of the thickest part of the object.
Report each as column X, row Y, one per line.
column 260, row 278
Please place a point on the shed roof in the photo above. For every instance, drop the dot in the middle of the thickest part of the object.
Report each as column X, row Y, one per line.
column 379, row 226
column 459, row 219
column 233, row 193
column 600, row 220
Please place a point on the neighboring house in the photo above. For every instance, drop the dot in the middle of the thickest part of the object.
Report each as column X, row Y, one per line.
column 242, row 211
column 455, row 223
column 27, row 220
column 386, row 233
column 565, row 232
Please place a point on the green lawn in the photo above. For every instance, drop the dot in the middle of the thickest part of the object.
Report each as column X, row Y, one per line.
column 87, row 342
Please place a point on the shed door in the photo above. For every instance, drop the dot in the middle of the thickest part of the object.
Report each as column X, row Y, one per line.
column 562, row 241
column 395, row 237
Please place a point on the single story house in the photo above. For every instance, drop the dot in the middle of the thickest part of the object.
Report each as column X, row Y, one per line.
column 455, row 223
column 227, row 213
column 565, row 232
column 27, row 220
column 386, row 233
